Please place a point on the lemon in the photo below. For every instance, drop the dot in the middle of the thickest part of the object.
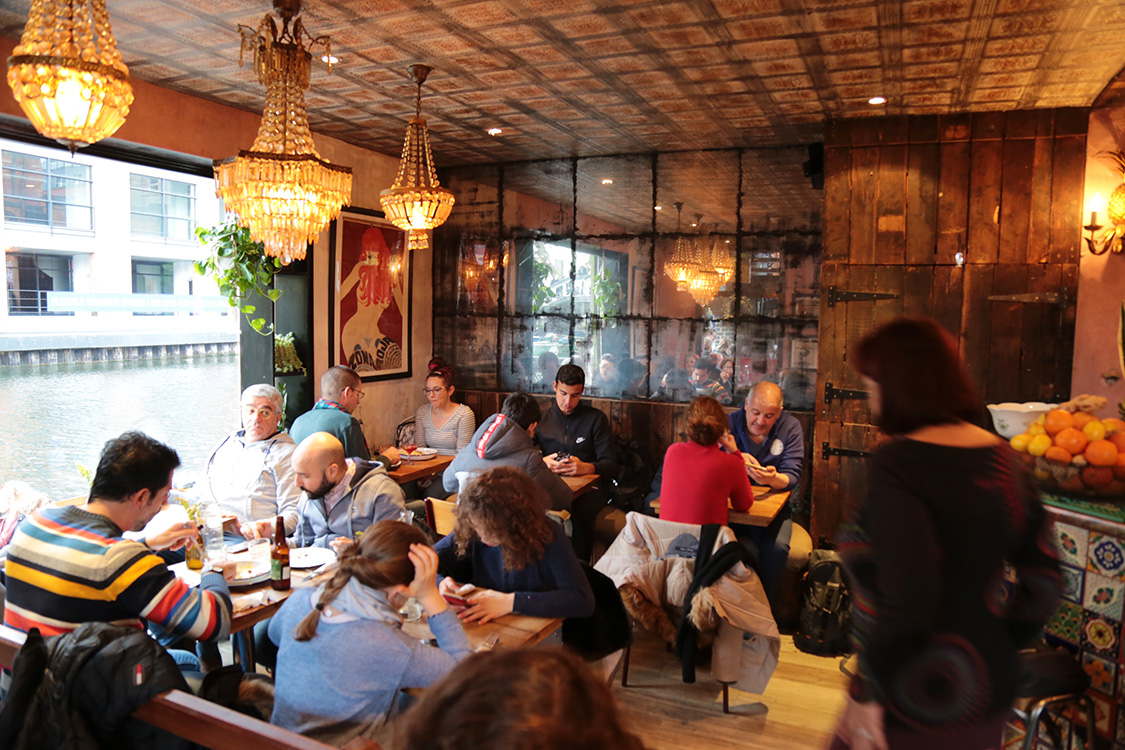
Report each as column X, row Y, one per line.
column 1019, row 442
column 1042, row 419
column 1038, row 445
column 1094, row 430
column 1035, row 429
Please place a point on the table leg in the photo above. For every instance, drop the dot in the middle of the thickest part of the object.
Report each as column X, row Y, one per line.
column 242, row 644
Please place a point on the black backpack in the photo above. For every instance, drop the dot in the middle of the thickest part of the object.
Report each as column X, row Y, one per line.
column 826, row 607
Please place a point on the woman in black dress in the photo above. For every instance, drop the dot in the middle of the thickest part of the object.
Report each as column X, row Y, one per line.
column 949, row 555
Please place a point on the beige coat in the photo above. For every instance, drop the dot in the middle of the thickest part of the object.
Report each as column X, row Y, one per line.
column 635, row 558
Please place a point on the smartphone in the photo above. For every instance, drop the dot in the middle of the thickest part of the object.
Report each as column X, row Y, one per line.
column 459, row 599
column 562, row 456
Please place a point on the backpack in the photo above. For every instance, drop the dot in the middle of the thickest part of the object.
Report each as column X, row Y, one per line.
column 825, row 620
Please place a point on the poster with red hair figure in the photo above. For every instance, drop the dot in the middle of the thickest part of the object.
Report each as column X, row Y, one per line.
column 371, row 299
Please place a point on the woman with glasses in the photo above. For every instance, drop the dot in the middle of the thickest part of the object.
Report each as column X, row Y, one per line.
column 440, row 423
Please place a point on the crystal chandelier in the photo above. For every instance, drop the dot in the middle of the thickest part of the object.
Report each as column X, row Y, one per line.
column 714, row 267
column 417, row 202
column 67, row 74
column 681, row 267
column 281, row 189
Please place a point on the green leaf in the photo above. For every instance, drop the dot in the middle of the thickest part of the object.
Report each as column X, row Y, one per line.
column 257, row 323
column 273, row 294
column 248, row 309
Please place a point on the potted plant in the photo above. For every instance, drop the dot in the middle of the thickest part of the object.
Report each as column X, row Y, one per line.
column 240, row 267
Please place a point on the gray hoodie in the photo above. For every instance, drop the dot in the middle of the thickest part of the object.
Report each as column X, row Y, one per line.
column 500, row 441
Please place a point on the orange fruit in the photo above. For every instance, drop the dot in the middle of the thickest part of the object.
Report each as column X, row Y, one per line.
column 1113, row 425
column 1119, row 466
column 1058, row 455
column 1101, row 453
column 1039, row 444
column 1096, row 477
column 1072, row 441
column 1118, row 439
column 1057, row 420
column 1093, row 430
column 1081, row 419
column 1027, row 458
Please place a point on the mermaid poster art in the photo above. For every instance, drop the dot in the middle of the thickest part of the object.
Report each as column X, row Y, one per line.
column 371, row 301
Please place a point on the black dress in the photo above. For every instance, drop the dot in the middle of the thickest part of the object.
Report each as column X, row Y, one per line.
column 953, row 568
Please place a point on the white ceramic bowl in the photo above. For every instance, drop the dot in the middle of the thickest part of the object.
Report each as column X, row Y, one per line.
column 1011, row 419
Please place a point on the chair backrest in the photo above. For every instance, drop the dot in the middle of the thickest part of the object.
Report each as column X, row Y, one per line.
column 404, row 433
column 440, row 516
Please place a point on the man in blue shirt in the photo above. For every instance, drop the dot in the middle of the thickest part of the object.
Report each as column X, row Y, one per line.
column 772, row 444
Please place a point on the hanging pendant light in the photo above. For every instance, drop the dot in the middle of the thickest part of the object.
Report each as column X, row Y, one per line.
column 281, row 189
column 679, row 269
column 67, row 75
column 417, row 202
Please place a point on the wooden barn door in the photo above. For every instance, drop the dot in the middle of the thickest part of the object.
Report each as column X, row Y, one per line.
column 973, row 220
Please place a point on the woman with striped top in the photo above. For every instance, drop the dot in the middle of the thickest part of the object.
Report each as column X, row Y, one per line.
column 440, row 423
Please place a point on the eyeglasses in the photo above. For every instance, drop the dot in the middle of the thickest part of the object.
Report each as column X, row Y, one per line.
column 428, row 391
column 265, row 412
column 358, row 393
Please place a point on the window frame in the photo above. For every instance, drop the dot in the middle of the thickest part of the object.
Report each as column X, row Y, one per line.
column 165, row 217
column 49, row 201
column 40, row 295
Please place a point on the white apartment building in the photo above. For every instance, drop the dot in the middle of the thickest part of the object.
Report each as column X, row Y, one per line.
column 98, row 254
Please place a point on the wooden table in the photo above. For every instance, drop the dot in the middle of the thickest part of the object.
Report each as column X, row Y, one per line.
column 581, row 485
column 767, row 504
column 513, row 630
column 417, row 468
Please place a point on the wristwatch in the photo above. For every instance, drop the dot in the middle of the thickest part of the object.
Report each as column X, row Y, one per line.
column 215, row 568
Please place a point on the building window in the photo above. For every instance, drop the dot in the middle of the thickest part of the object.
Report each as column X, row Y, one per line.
column 47, row 192
column 31, row 275
column 152, row 277
column 162, row 208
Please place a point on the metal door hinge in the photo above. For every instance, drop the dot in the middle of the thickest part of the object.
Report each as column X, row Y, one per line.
column 841, row 393
column 827, row 451
column 840, row 295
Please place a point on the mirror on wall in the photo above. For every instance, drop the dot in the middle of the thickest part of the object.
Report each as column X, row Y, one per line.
column 568, row 260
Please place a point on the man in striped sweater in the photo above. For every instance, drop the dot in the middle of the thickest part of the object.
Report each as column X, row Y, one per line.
column 70, row 565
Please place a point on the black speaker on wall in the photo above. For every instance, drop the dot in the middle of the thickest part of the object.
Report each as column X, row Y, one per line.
column 814, row 167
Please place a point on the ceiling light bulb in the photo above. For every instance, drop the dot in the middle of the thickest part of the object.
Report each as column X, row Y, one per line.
column 607, row 181
column 495, row 131
column 657, row 208
column 330, row 59
column 877, row 100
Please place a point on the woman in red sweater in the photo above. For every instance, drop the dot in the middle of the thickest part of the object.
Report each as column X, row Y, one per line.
column 698, row 476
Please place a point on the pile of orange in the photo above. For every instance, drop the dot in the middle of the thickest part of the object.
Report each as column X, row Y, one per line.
column 1077, row 452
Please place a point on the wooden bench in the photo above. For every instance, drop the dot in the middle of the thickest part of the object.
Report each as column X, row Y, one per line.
column 200, row 721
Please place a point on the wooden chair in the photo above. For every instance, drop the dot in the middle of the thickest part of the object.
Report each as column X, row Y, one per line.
column 202, row 722
column 439, row 514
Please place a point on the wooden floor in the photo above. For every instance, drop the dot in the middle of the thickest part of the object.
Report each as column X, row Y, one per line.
column 798, row 709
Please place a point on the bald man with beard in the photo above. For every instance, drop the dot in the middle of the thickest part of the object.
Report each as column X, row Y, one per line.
column 342, row 496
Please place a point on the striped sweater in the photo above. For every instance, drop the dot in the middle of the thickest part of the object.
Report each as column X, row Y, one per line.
column 67, row 566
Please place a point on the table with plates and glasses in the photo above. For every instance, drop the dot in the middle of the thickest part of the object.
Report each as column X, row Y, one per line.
column 419, row 467
column 768, row 503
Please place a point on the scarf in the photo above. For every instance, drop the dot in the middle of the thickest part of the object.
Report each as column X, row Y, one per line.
column 326, row 403
column 357, row 602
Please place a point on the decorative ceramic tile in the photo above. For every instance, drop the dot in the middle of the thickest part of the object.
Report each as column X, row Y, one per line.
column 1104, row 595
column 1106, row 555
column 1072, row 583
column 1012, row 738
column 1120, row 734
column 1100, row 634
column 1066, row 623
column 1105, row 714
column 1071, row 543
column 1102, row 672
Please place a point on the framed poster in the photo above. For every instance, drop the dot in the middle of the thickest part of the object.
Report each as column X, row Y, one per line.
column 370, row 302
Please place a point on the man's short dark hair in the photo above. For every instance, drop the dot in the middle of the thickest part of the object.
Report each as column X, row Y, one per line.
column 522, row 409
column 131, row 462
column 335, row 379
column 570, row 375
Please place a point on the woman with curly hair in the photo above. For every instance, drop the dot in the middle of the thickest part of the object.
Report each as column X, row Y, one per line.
column 517, row 699
column 698, row 476
column 517, row 558
column 342, row 655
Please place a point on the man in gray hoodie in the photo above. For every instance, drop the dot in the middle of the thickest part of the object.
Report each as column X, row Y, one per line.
column 505, row 439
column 342, row 496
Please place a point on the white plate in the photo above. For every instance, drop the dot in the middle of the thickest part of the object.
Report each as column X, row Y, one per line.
column 420, row 454
column 261, row 577
column 310, row 557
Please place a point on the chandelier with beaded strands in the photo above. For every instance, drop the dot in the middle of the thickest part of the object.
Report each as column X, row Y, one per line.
column 680, row 267
column 417, row 202
column 281, row 189
column 67, row 74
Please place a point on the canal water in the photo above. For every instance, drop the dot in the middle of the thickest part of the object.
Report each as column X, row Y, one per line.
column 54, row 417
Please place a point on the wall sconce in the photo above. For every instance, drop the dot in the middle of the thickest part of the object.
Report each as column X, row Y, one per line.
column 1112, row 238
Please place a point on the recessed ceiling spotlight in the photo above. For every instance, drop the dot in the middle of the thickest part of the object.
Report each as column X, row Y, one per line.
column 877, row 100
column 330, row 59
column 658, row 208
column 694, row 224
column 607, row 181
column 495, row 131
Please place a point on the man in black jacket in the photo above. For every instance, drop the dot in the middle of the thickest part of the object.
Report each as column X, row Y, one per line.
column 576, row 440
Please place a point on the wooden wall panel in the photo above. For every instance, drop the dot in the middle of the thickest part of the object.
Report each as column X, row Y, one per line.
column 1004, row 189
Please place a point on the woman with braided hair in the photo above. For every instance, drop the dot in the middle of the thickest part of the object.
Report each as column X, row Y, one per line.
column 342, row 655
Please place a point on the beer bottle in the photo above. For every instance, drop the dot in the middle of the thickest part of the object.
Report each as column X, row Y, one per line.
column 279, row 558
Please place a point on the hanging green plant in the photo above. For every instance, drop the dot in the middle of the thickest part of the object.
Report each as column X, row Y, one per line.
column 285, row 357
column 240, row 267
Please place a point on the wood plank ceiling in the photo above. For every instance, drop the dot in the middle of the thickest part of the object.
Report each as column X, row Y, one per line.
column 592, row 77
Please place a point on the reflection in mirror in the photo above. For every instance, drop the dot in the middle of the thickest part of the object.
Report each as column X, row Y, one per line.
column 539, row 198
column 615, row 195
column 707, row 184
